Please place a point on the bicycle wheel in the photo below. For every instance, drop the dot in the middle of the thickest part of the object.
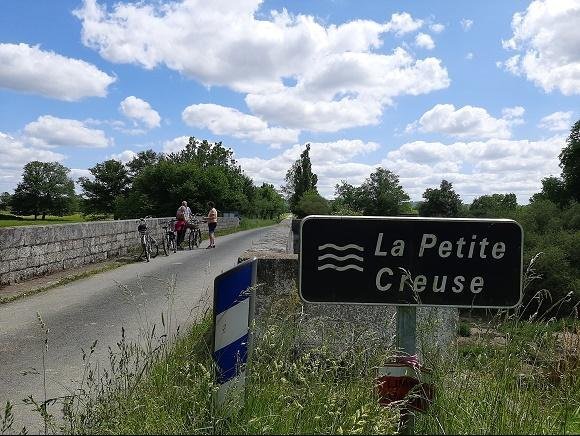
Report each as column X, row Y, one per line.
column 191, row 239
column 147, row 249
column 172, row 243
column 166, row 244
column 154, row 247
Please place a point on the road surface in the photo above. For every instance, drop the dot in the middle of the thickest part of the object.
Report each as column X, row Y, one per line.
column 95, row 309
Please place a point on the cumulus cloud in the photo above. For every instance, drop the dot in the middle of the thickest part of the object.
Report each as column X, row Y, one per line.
column 331, row 161
column 14, row 154
column 140, row 112
column 176, row 144
column 349, row 90
column 340, row 79
column 124, row 156
column 474, row 167
column 403, row 23
column 546, row 38
column 437, row 27
column 468, row 121
column 466, row 24
column 478, row 167
column 49, row 131
column 469, row 56
column 222, row 120
column 557, row 122
column 32, row 70
column 424, row 41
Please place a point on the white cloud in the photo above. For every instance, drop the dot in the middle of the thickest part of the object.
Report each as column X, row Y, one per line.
column 475, row 168
column 466, row 24
column 176, row 144
column 124, row 156
column 331, row 161
column 222, row 120
column 468, row 121
column 478, row 167
column 437, row 27
column 546, row 36
column 349, row 90
column 49, row 131
column 424, row 41
column 14, row 155
column 140, row 111
column 557, row 122
column 469, row 56
column 32, row 70
column 403, row 23
column 340, row 80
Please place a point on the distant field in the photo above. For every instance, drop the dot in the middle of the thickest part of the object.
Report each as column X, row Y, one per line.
column 8, row 220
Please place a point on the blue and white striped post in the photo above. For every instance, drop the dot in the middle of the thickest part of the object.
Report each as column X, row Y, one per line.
column 233, row 310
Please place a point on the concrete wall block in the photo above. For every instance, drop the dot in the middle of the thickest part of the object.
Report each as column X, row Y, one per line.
column 8, row 254
column 4, row 267
column 38, row 250
column 7, row 278
column 40, row 270
column 11, row 237
column 17, row 264
column 35, row 261
column 77, row 243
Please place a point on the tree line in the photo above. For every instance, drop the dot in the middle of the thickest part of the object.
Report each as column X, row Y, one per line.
column 150, row 184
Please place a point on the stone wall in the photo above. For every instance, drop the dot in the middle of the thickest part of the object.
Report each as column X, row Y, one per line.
column 27, row 252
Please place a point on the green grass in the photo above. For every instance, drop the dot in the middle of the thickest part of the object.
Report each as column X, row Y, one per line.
column 7, row 220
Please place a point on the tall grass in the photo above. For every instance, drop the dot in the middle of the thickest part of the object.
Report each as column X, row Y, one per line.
column 511, row 375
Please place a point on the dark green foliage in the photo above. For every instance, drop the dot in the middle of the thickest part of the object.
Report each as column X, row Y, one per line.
column 143, row 160
column 554, row 190
column 570, row 162
column 442, row 202
column 111, row 179
column 5, row 201
column 493, row 206
column 45, row 189
column 300, row 179
column 312, row 203
column 156, row 184
column 380, row 194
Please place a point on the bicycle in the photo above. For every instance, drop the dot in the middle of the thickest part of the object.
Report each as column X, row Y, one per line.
column 194, row 239
column 169, row 237
column 149, row 245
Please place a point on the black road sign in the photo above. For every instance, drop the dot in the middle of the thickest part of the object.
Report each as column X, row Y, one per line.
column 411, row 261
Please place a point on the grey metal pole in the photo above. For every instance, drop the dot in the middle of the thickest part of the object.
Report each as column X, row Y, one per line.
column 407, row 344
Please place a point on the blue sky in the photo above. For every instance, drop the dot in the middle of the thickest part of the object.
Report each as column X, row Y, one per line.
column 482, row 94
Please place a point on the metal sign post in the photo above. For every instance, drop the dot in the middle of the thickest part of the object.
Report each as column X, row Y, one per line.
column 233, row 312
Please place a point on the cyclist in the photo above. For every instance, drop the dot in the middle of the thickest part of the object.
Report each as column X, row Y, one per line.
column 183, row 217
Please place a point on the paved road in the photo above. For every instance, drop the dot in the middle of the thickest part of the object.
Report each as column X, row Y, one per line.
column 133, row 297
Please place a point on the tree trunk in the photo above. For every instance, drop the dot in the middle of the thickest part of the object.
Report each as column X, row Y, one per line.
column 43, row 215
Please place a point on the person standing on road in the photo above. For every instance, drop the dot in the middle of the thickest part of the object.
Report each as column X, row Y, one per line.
column 183, row 217
column 211, row 223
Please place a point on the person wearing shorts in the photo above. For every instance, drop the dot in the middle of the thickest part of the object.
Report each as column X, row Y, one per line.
column 211, row 223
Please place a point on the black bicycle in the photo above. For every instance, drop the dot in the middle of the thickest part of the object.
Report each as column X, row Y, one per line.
column 194, row 239
column 169, row 237
column 149, row 245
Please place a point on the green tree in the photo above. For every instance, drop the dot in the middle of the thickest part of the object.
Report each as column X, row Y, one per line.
column 111, row 179
column 494, row 206
column 45, row 189
column 269, row 203
column 5, row 201
column 300, row 179
column 442, row 202
column 553, row 189
column 381, row 194
column 312, row 203
column 570, row 162
column 142, row 160
column 348, row 199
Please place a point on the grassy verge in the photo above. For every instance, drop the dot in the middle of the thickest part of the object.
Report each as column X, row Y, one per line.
column 7, row 220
